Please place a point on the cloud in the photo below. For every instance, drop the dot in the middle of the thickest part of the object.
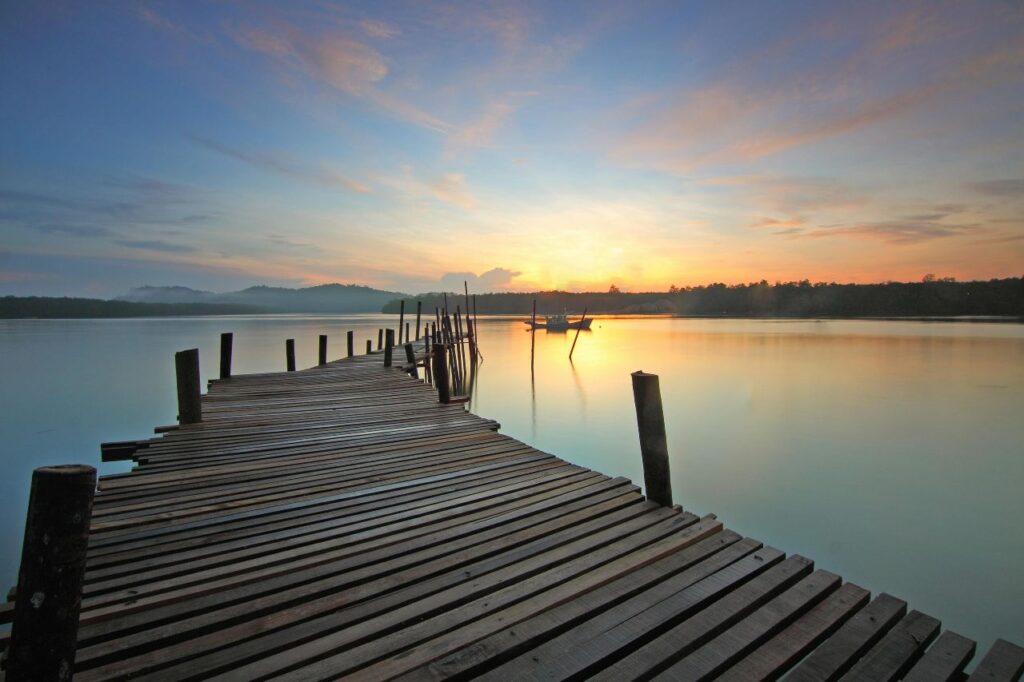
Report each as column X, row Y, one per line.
column 494, row 279
column 451, row 188
column 776, row 222
column 156, row 245
column 339, row 62
column 82, row 231
column 1011, row 188
column 321, row 175
column 791, row 194
column 379, row 29
column 895, row 231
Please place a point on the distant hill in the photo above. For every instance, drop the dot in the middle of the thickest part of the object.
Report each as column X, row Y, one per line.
column 326, row 298
column 45, row 307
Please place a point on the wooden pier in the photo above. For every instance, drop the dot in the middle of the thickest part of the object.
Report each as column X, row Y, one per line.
column 339, row 522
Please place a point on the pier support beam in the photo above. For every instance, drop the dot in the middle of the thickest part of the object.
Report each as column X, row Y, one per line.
column 369, row 346
column 226, row 341
column 441, row 380
column 186, row 368
column 389, row 346
column 49, row 594
column 410, row 357
column 289, row 354
column 650, row 421
column 401, row 320
column 419, row 309
column 322, row 350
column 350, row 342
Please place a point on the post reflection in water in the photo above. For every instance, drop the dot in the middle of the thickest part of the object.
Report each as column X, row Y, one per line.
column 836, row 439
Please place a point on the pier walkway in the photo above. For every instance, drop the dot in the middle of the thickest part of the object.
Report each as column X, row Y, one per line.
column 339, row 522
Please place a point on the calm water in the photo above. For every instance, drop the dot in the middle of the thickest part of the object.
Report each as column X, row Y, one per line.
column 890, row 452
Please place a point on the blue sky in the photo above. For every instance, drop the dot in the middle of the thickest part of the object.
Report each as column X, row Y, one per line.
column 519, row 145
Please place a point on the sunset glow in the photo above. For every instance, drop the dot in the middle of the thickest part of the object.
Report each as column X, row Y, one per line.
column 521, row 146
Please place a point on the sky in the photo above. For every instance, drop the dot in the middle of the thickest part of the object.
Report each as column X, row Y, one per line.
column 520, row 146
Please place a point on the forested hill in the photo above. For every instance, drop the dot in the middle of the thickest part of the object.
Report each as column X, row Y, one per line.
column 325, row 298
column 44, row 307
column 941, row 298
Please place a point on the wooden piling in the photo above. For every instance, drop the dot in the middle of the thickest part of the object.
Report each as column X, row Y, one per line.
column 369, row 346
column 350, row 343
column 49, row 594
column 389, row 345
column 322, row 350
column 226, row 341
column 576, row 338
column 419, row 310
column 407, row 337
column 186, row 368
column 410, row 357
column 444, row 394
column 380, row 339
column 650, row 421
column 401, row 320
column 289, row 354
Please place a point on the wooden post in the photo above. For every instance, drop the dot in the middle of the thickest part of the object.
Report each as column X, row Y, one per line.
column 389, row 345
column 441, row 373
column 186, row 367
column 49, row 595
column 650, row 421
column 322, row 350
column 407, row 337
column 289, row 354
column 350, row 342
column 401, row 320
column 226, row 340
column 576, row 338
column 369, row 346
column 419, row 309
column 410, row 357
column 380, row 339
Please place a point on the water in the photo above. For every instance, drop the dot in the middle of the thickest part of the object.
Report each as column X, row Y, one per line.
column 890, row 452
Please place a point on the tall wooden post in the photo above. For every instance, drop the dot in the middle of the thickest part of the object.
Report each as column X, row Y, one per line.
column 186, row 368
column 322, row 350
column 389, row 345
column 441, row 373
column 407, row 337
column 410, row 357
column 369, row 346
column 289, row 354
column 380, row 339
column 226, row 340
column 350, row 342
column 49, row 595
column 401, row 320
column 419, row 309
column 577, row 337
column 650, row 421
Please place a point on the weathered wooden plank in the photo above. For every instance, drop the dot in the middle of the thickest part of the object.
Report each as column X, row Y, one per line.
column 1004, row 661
column 773, row 658
column 944, row 661
column 710, row 660
column 684, row 637
column 897, row 651
column 838, row 653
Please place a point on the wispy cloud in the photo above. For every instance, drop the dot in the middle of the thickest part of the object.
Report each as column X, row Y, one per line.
column 452, row 188
column 80, row 231
column 379, row 29
column 1012, row 188
column 283, row 164
column 895, row 231
column 155, row 245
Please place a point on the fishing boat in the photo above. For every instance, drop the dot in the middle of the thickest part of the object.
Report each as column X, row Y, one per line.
column 559, row 323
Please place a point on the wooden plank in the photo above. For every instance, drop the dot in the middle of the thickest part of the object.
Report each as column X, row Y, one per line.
column 838, row 653
column 773, row 658
column 710, row 660
column 1004, row 661
column 729, row 608
column 897, row 651
column 944, row 661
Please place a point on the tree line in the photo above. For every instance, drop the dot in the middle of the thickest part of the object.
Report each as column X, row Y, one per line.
column 929, row 298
